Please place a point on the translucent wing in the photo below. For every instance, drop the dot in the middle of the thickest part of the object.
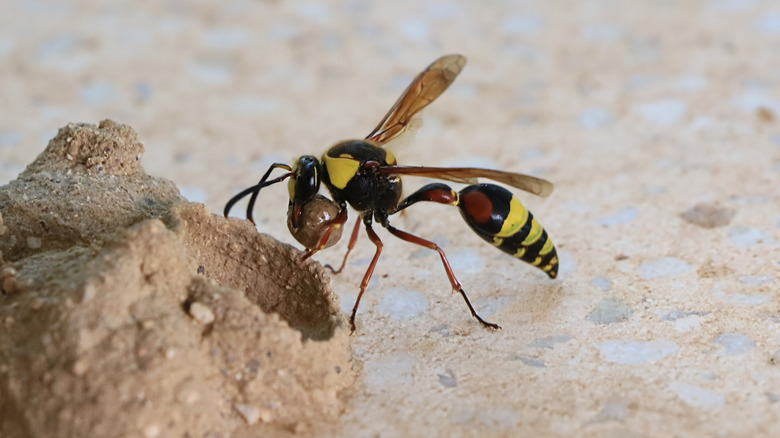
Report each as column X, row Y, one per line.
column 424, row 89
column 471, row 175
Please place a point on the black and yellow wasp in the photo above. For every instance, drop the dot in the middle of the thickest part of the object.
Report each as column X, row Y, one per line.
column 364, row 175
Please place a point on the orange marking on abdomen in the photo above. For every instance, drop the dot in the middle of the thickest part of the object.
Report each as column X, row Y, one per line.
column 478, row 206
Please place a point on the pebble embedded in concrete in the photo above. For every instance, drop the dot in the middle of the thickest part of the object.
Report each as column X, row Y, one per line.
column 466, row 261
column 754, row 280
column 594, row 118
column 602, row 282
column 745, row 238
column 733, row 343
column 393, row 369
column 636, row 352
column 402, row 303
column 610, row 310
column 663, row 113
column 550, row 341
column 530, row 361
column 623, row 216
column 697, row 397
column 448, row 379
column 663, row 267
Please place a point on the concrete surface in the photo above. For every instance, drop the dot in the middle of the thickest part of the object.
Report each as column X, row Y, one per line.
column 657, row 121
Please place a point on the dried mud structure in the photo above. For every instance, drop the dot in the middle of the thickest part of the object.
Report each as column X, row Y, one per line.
column 127, row 311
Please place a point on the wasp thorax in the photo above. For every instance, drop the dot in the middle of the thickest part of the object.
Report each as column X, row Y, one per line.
column 313, row 221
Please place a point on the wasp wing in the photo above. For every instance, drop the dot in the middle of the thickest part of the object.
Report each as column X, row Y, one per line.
column 424, row 89
column 471, row 175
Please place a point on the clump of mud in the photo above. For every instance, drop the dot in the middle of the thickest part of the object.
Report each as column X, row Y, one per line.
column 126, row 311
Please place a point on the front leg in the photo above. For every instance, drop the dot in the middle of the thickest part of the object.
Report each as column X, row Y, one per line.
column 330, row 228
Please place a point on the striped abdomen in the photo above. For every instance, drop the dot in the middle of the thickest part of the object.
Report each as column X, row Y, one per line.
column 498, row 217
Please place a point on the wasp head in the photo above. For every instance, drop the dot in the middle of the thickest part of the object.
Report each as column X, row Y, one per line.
column 303, row 185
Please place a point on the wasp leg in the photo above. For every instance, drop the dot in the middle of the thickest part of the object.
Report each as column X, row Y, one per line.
column 337, row 223
column 456, row 286
column 370, row 271
column 351, row 245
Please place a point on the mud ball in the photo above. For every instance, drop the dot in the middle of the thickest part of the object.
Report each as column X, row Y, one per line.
column 316, row 214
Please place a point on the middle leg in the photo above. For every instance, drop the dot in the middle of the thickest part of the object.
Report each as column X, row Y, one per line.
column 370, row 271
column 352, row 240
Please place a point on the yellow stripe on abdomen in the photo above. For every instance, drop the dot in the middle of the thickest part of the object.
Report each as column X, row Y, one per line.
column 548, row 246
column 517, row 217
column 534, row 234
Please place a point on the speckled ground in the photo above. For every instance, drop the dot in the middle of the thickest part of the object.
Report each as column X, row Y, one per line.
column 658, row 123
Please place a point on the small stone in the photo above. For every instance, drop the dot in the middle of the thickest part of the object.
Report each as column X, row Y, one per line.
column 152, row 431
column 33, row 242
column 201, row 313
column 188, row 396
column 776, row 358
column 266, row 416
column 250, row 413
column 80, row 367
column 89, row 292
column 448, row 379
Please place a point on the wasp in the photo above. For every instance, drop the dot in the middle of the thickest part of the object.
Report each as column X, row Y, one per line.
column 365, row 175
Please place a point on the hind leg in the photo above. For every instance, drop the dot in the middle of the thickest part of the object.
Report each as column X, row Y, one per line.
column 456, row 286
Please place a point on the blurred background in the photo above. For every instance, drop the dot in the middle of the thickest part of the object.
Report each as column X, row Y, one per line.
column 638, row 111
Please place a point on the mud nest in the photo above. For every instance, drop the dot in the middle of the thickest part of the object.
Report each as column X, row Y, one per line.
column 127, row 311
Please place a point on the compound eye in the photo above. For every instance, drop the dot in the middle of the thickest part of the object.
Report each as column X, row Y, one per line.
column 307, row 182
column 303, row 186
